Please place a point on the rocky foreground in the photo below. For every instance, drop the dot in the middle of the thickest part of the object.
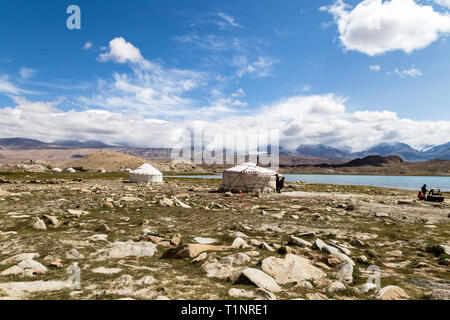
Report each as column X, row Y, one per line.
column 94, row 238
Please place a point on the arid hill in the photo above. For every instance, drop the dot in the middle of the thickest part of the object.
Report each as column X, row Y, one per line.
column 110, row 161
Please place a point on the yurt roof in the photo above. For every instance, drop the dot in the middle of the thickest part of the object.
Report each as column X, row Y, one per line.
column 147, row 169
column 250, row 168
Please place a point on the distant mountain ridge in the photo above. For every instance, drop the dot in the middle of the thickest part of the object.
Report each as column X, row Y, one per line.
column 318, row 151
column 403, row 150
column 31, row 144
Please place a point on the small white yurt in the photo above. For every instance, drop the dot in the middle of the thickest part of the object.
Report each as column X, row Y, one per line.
column 146, row 173
column 70, row 170
column 248, row 177
column 56, row 170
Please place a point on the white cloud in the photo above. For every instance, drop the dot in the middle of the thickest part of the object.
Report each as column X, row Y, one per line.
column 375, row 68
column 239, row 93
column 374, row 116
column 411, row 72
column 375, row 26
column 444, row 3
column 230, row 21
column 150, row 90
column 121, row 51
column 26, row 73
column 87, row 45
column 263, row 67
column 7, row 87
column 300, row 119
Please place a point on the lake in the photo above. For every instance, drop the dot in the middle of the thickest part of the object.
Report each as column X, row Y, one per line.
column 397, row 182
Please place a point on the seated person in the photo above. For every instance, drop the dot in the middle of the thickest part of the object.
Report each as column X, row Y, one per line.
column 420, row 196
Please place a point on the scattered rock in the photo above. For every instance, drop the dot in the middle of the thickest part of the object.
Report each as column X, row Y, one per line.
column 316, row 296
column 291, row 269
column 336, row 286
column 362, row 259
column 119, row 250
column 103, row 228
column 239, row 243
column 345, row 272
column 299, row 242
column 324, row 247
column 241, row 293
column 266, row 246
column 201, row 257
column 74, row 254
column 367, row 287
column 259, row 279
column 146, row 281
column 205, row 240
column 104, row 270
column 237, row 258
column 190, row 250
column 440, row 294
column 52, row 220
column 166, row 202
column 176, row 240
column 264, row 294
column 392, row 293
column 19, row 258
column 38, row 224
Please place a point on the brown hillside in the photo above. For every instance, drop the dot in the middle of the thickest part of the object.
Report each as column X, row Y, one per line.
column 110, row 161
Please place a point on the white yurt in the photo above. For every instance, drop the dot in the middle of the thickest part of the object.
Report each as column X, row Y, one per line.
column 248, row 177
column 146, row 173
column 56, row 170
column 70, row 170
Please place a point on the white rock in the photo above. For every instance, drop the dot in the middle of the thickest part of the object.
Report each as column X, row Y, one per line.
column 104, row 270
column 239, row 243
column 121, row 250
column 20, row 257
column 336, row 286
column 291, row 269
column 205, row 240
column 241, row 293
column 260, row 279
column 38, row 224
column 392, row 293
column 238, row 258
column 32, row 266
column 299, row 242
column 345, row 272
column 366, row 287
column 13, row 271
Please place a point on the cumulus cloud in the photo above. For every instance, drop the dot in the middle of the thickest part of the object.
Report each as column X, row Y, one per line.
column 149, row 90
column 375, row 26
column 299, row 119
column 121, row 51
column 444, row 3
column 375, row 68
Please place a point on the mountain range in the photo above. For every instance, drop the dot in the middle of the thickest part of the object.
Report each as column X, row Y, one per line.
column 402, row 150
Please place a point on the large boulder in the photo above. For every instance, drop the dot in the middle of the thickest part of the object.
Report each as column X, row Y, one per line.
column 19, row 258
column 345, row 272
column 190, row 250
column 119, row 250
column 259, row 279
column 392, row 293
column 291, row 269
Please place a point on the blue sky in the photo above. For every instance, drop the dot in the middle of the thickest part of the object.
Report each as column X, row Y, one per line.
column 344, row 73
